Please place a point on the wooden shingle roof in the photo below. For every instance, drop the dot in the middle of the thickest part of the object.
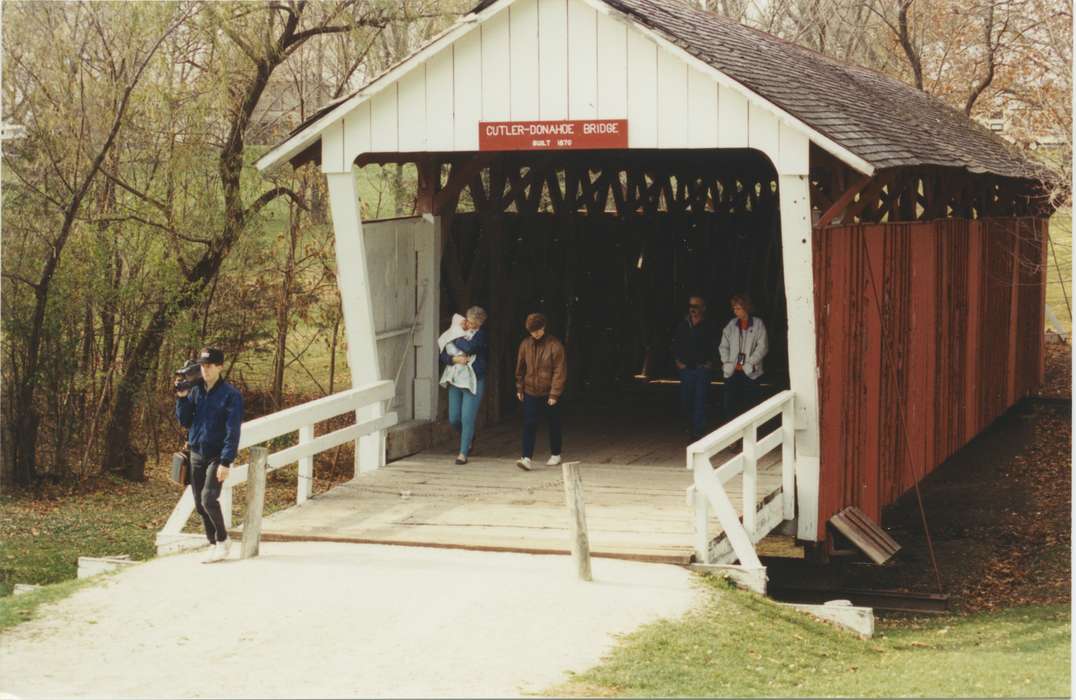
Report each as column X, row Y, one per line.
column 886, row 122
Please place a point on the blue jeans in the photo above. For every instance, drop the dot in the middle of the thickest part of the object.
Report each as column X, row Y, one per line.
column 740, row 393
column 462, row 411
column 533, row 408
column 694, row 390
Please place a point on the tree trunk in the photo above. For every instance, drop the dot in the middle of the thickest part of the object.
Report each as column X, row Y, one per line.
column 119, row 454
column 283, row 311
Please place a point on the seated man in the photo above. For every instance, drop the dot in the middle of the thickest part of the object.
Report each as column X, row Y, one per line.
column 693, row 350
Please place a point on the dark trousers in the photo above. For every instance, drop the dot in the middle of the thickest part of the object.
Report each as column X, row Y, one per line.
column 533, row 409
column 694, row 390
column 206, row 490
column 740, row 393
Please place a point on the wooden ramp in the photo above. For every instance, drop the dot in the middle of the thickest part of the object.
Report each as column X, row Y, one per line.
column 636, row 506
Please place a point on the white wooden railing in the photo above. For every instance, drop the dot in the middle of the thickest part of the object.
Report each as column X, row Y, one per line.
column 708, row 492
column 299, row 419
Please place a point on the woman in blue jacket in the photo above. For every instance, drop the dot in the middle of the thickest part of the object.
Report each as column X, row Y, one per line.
column 462, row 402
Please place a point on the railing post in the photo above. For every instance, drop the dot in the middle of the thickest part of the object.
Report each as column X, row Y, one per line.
column 306, row 467
column 750, row 479
column 788, row 459
column 252, row 523
column 573, row 495
column 702, row 525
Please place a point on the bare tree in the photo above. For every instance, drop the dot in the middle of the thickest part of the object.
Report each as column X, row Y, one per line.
column 107, row 52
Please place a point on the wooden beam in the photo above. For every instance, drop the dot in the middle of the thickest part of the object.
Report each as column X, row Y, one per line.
column 460, row 176
column 868, row 197
column 429, row 180
column 842, row 202
column 477, row 188
column 619, row 200
column 555, row 195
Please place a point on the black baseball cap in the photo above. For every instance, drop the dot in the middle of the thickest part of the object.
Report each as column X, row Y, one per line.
column 211, row 356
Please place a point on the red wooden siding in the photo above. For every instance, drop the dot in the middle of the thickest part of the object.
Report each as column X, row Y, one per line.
column 927, row 332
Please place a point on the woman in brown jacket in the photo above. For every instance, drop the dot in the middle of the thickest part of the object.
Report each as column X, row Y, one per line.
column 541, row 369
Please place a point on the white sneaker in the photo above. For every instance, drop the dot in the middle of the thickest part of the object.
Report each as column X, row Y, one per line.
column 554, row 460
column 225, row 548
column 524, row 463
column 211, row 554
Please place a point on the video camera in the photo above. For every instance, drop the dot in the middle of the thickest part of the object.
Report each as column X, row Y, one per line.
column 188, row 376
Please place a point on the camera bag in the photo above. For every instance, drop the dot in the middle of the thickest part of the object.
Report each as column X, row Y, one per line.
column 181, row 468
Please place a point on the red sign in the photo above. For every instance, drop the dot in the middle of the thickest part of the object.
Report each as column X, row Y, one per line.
column 553, row 135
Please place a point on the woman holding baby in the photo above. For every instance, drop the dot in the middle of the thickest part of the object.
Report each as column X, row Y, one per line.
column 465, row 354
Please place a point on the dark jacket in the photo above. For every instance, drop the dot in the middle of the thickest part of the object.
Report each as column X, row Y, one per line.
column 541, row 367
column 213, row 420
column 477, row 346
column 695, row 345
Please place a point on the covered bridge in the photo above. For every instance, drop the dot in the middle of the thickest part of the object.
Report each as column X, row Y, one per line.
column 599, row 159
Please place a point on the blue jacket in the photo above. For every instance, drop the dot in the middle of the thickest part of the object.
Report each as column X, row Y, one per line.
column 477, row 346
column 213, row 419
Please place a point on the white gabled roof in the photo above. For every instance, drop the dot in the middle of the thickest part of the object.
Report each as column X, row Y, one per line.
column 744, row 119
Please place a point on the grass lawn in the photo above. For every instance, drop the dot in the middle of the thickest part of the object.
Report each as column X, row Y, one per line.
column 42, row 538
column 17, row 609
column 742, row 645
column 1059, row 255
column 43, row 535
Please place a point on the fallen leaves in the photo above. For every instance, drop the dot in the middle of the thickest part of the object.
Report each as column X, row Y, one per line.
column 1001, row 519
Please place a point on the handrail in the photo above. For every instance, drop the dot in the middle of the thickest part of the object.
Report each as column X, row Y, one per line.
column 732, row 431
column 299, row 419
column 708, row 490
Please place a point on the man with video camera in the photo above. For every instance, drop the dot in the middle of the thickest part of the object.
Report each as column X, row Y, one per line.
column 212, row 411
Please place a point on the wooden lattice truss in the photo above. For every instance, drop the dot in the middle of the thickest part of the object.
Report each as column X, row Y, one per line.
column 643, row 183
column 917, row 194
column 731, row 182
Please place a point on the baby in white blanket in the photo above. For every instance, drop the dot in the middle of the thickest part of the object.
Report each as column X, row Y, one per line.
column 460, row 375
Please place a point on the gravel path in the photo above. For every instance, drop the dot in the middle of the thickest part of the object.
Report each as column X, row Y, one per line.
column 337, row 620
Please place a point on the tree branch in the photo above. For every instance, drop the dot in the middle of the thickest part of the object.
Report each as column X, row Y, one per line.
column 269, row 195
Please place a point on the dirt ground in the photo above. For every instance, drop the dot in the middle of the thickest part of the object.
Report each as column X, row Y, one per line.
column 337, row 620
column 999, row 512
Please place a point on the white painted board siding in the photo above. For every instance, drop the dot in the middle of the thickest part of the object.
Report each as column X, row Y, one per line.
column 795, row 151
column 439, row 108
column 672, row 100
column 612, row 74
column 642, row 91
column 582, row 61
column 467, row 90
column 357, row 133
column 523, row 29
column 762, row 132
column 390, row 252
column 385, row 127
column 333, row 149
column 496, row 70
column 553, row 53
column 731, row 118
column 412, row 110
column 702, row 117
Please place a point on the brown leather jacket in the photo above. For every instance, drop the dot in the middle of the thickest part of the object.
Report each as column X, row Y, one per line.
column 541, row 367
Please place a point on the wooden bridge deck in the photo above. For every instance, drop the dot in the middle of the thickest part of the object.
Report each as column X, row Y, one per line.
column 633, row 476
